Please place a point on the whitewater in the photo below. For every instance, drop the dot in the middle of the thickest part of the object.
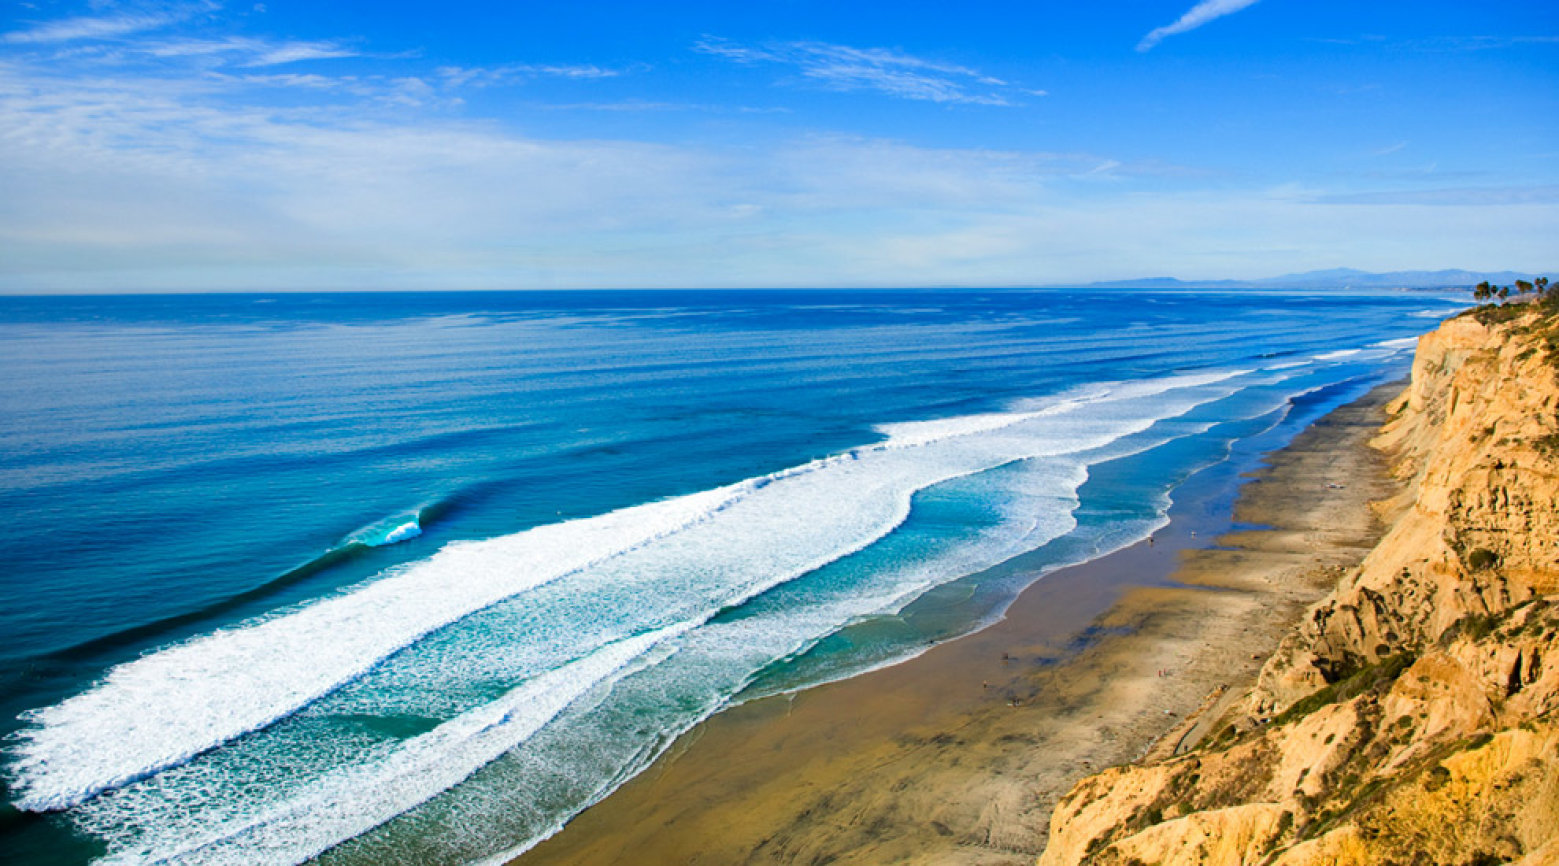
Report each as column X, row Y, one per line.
column 517, row 677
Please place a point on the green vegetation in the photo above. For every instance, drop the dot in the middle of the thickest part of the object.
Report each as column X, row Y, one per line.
column 1494, row 314
column 1486, row 291
column 1215, row 743
column 1540, row 311
column 1375, row 678
column 1475, row 626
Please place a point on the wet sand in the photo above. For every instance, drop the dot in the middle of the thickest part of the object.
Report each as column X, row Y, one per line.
column 958, row 755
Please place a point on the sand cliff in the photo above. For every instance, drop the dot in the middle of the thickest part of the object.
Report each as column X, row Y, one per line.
column 1410, row 718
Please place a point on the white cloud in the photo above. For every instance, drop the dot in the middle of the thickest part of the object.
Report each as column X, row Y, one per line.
column 199, row 47
column 841, row 67
column 244, row 51
column 73, row 29
column 155, row 164
column 1200, row 14
column 294, row 79
column 160, row 184
column 1495, row 196
column 484, row 76
column 639, row 105
column 146, row 16
column 292, row 52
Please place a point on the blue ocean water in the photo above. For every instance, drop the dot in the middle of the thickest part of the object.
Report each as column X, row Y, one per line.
column 417, row 577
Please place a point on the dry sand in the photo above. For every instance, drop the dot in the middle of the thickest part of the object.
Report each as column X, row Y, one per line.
column 958, row 756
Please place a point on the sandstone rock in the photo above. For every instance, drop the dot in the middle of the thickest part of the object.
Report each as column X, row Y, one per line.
column 1410, row 718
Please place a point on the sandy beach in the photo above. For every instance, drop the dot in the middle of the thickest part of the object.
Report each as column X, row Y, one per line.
column 958, row 756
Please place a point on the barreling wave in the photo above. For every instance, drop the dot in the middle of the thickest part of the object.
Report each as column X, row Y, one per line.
column 388, row 532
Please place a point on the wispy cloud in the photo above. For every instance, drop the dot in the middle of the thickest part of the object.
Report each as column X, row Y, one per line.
column 170, row 159
column 292, row 52
column 1440, row 44
column 1469, row 196
column 115, row 183
column 841, row 67
column 74, row 29
column 166, row 183
column 483, row 76
column 243, row 51
column 1478, row 43
column 1389, row 149
column 293, row 79
column 1200, row 14
column 636, row 105
column 153, row 45
column 128, row 19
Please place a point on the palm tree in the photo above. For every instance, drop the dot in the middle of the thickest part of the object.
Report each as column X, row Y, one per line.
column 1482, row 291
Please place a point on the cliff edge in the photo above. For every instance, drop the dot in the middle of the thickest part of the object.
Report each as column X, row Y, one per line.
column 1410, row 718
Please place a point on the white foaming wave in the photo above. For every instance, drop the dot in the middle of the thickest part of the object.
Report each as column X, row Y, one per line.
column 1289, row 366
column 388, row 531
column 355, row 799
column 1042, row 511
column 748, row 517
column 755, row 641
column 1404, row 343
column 738, row 649
column 162, row 709
column 1340, row 353
column 169, row 838
column 1134, row 389
column 914, row 434
column 910, row 434
column 408, row 530
column 732, row 651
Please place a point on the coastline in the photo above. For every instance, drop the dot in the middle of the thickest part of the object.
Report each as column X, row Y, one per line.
column 959, row 755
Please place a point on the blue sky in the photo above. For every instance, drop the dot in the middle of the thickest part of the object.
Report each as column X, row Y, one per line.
column 355, row 145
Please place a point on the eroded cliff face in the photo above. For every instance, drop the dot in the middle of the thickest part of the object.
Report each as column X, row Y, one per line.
column 1411, row 717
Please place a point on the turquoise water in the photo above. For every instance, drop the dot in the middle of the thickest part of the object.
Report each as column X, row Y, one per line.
column 416, row 577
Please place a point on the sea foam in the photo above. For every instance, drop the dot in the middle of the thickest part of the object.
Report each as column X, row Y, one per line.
column 682, row 560
column 163, row 709
column 398, row 533
column 354, row 799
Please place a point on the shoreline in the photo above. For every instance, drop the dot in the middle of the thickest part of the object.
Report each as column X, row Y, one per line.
column 960, row 753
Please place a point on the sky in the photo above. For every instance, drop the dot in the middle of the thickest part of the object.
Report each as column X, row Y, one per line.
column 281, row 145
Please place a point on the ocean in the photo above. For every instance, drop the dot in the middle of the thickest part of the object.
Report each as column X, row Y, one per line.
column 417, row 577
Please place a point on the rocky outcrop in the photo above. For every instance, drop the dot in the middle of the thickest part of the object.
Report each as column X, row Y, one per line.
column 1410, row 718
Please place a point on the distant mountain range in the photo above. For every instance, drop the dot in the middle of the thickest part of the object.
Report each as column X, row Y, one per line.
column 1336, row 278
